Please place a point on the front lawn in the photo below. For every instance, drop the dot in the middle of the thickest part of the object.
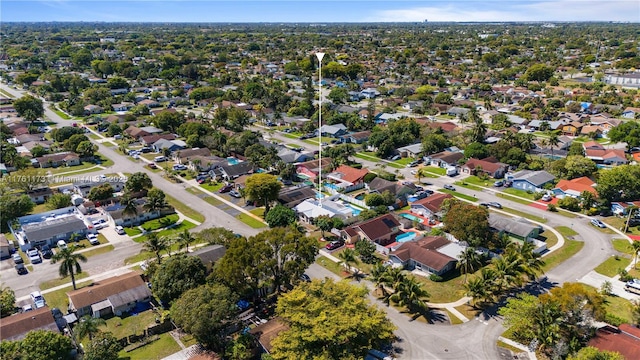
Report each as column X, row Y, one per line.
column 367, row 155
column 332, row 266
column 132, row 231
column 98, row 251
column 65, row 169
column 612, row 265
column 474, row 180
column 619, row 223
column 524, row 215
column 435, row 170
column 259, row 212
column 130, row 325
column 250, row 221
column 566, row 232
column 159, row 223
column 451, row 288
column 58, row 299
column 512, row 198
column 518, row 192
column 170, row 232
column 623, row 246
column 570, row 248
column 212, row 187
column 457, row 194
column 62, row 281
column 184, row 209
column 404, row 161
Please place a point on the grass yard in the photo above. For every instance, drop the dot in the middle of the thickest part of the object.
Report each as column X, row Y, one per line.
column 474, row 180
column 39, row 209
column 130, row 325
column 60, row 113
column 141, row 256
column 62, row 281
column 512, row 198
column 58, row 299
column 250, row 221
column 211, row 200
column 78, row 168
column 184, row 209
column 611, row 266
column 549, row 238
column 332, row 266
column 623, row 246
column 98, row 251
column 404, row 161
column 291, row 136
column 259, row 212
column 518, row 192
column 570, row 248
column 367, row 155
column 524, row 215
column 469, row 311
column 132, row 231
column 7, row 94
column 159, row 223
column 212, row 187
column 435, row 170
column 617, row 306
column 566, row 232
column 453, row 319
column 94, row 136
column 451, row 288
column 184, row 225
column 468, row 186
column 158, row 349
column 457, row 194
column 619, row 223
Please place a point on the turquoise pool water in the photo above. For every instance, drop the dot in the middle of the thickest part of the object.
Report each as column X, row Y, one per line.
column 408, row 236
column 411, row 217
column 355, row 211
column 232, row 161
column 360, row 197
column 332, row 186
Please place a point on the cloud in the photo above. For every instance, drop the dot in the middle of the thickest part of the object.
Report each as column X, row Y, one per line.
column 560, row 10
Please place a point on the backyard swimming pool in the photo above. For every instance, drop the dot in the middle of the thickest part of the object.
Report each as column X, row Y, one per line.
column 355, row 211
column 411, row 217
column 232, row 161
column 408, row 236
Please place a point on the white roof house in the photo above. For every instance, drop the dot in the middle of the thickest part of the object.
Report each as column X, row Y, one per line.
column 311, row 209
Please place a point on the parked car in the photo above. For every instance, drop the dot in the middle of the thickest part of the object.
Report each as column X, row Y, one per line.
column 120, row 230
column 93, row 239
column 546, row 197
column 598, row 223
column 495, row 205
column 235, row 193
column 62, row 244
column 225, row 189
column 17, row 259
column 34, row 256
column 27, row 307
column 449, row 187
column 46, row 251
column 498, row 183
column 179, row 167
column 396, row 157
column 152, row 166
column 305, row 278
column 21, row 269
column 37, row 299
column 287, row 182
column 412, row 164
column 334, row 244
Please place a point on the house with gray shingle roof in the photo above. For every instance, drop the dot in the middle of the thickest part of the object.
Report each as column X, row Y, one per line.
column 530, row 180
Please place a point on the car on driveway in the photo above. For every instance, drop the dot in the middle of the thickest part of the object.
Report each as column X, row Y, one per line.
column 46, row 251
column 93, row 239
column 225, row 189
column 334, row 245
column 17, row 259
column 449, row 187
column 21, row 269
column 498, row 183
column 153, row 166
column 598, row 223
column 34, row 256
column 37, row 299
column 305, row 278
column 235, row 193
column 120, row 230
column 62, row 244
column 546, row 197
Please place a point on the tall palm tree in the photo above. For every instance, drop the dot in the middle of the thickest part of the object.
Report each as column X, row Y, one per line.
column 185, row 238
column 130, row 206
column 69, row 263
column 88, row 326
column 468, row 262
column 635, row 246
column 507, row 270
column 411, row 294
column 377, row 276
column 530, row 262
column 553, row 141
column 476, row 289
column 392, row 279
column 348, row 257
column 479, row 130
column 156, row 245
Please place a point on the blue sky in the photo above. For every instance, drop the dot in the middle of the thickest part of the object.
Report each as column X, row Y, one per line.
column 318, row 11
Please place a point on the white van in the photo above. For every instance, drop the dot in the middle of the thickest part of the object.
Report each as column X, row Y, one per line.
column 159, row 159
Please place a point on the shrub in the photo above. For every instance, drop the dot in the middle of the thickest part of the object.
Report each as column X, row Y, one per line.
column 552, row 208
column 435, row 277
column 569, row 203
column 624, row 275
column 537, row 195
column 614, row 320
column 369, row 177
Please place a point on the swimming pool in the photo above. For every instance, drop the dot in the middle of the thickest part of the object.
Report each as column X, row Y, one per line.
column 331, row 186
column 411, row 217
column 408, row 236
column 232, row 161
column 355, row 211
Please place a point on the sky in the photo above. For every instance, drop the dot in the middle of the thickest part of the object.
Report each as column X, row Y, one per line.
column 311, row 11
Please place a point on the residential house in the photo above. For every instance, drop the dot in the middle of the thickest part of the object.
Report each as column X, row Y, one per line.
column 149, row 140
column 83, row 187
column 356, row 138
column 572, row 129
column 17, row 326
column 310, row 169
column 49, row 227
column 293, row 196
column 171, row 145
column 25, row 138
column 488, row 166
column 6, row 247
column 346, row 178
column 624, row 340
column 266, row 332
column 135, row 132
column 630, row 113
column 412, row 151
column 539, row 124
column 230, row 172
column 66, row 158
column 424, row 255
column 380, row 230
column 448, row 127
column 40, row 195
column 399, row 190
column 206, row 163
column 155, row 112
column 116, row 213
column 605, row 123
column 596, row 152
column 93, row 109
column 183, row 156
column 519, row 228
column 444, row 159
column 574, row 187
column 430, row 206
column 593, row 131
column 310, row 209
column 289, row 156
column 209, row 255
column 150, row 103
column 334, row 131
column 457, row 111
column 116, row 295
column 122, row 106
column 621, row 208
column 530, row 180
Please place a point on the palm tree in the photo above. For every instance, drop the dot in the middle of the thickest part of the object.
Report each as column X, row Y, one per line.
column 635, row 246
column 507, row 270
column 69, row 265
column 553, row 141
column 88, row 326
column 155, row 245
column 531, row 262
column 468, row 262
column 349, row 151
column 476, row 288
column 377, row 276
column 348, row 256
column 411, row 294
column 130, row 206
column 422, row 172
column 479, row 130
column 185, row 238
column 392, row 279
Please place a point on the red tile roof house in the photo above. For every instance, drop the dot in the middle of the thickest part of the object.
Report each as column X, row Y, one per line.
column 310, row 169
column 624, row 340
column 116, row 295
column 430, row 206
column 346, row 178
column 17, row 326
column 423, row 255
column 596, row 152
column 574, row 187
column 492, row 168
column 381, row 230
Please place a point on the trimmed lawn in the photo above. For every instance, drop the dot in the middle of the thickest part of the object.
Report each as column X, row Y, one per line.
column 620, row 223
column 524, row 215
column 291, row 136
column 611, row 266
column 62, row 281
column 566, row 231
column 212, row 187
column 474, row 180
column 617, row 306
column 469, row 311
column 39, row 209
column 211, row 200
column 457, row 194
column 158, row 349
column 334, row 267
column 7, row 94
column 184, row 209
column 512, row 198
column 258, row 212
column 58, row 299
column 142, row 256
column 451, row 288
column 250, row 221
column 62, row 114
column 570, row 248
column 132, row 231
column 367, row 155
column 435, row 170
column 98, row 251
column 64, row 169
column 468, row 186
column 623, row 246
column 184, row 225
column 403, row 161
column 518, row 192
column 549, row 238
column 159, row 223
column 94, row 136
column 130, row 325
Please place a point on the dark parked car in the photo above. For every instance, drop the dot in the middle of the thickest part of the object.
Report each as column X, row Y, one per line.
column 287, row 182
column 305, row 278
column 334, row 244
column 449, row 187
column 46, row 252
column 225, row 189
column 21, row 269
column 495, row 205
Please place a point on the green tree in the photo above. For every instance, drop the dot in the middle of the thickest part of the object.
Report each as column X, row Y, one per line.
column 627, row 131
column 366, row 251
column 619, row 183
column 205, row 312
column 12, row 207
column 411, row 294
column 216, row 235
column 184, row 239
column 88, row 326
column 45, row 345
column 168, row 121
column 177, row 275
column 476, row 150
column 101, row 192
column 69, row 263
column 468, row 223
column 58, row 201
column 103, row 347
column 263, row 188
column 324, row 223
column 138, row 181
column 635, row 246
column 592, row 353
column 71, row 144
column 155, row 244
column 7, row 302
column 27, row 179
column 280, row 216
column 348, row 257
column 86, row 149
column 468, row 261
column 374, row 199
column 539, row 73
column 29, row 107
column 354, row 328
column 577, row 166
column 156, row 200
column 130, row 206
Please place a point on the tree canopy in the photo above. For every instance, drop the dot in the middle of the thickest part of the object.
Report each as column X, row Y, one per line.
column 468, row 223
column 177, row 275
column 138, row 181
column 263, row 188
